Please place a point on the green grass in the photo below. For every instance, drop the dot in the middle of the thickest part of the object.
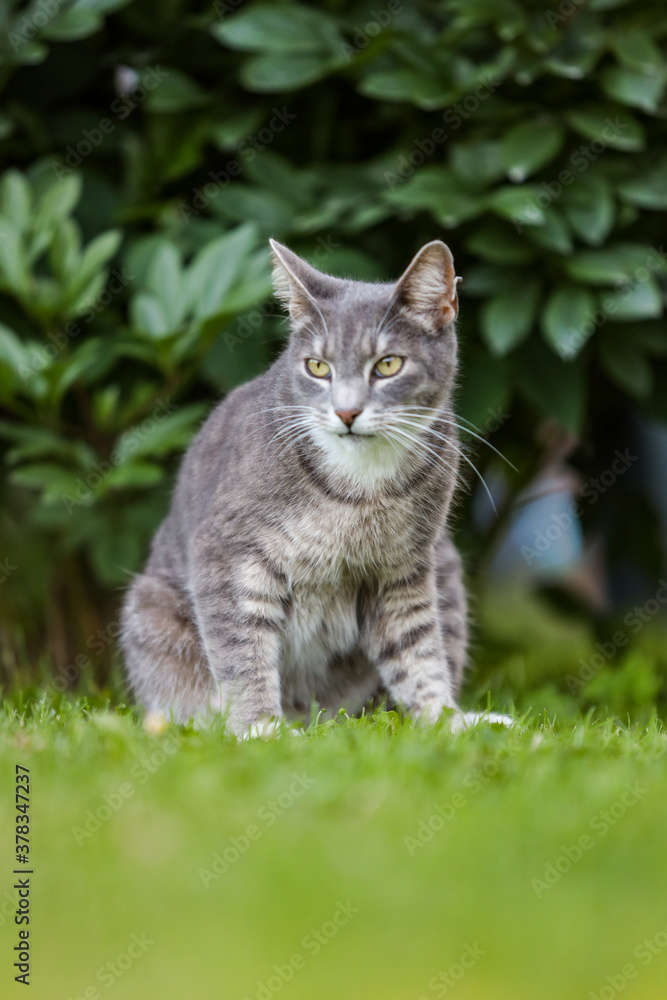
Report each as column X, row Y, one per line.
column 346, row 832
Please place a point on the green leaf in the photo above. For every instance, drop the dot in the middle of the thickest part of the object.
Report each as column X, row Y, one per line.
column 15, row 199
column 57, row 201
column 249, row 203
column 131, row 476
column 508, row 318
column 435, row 189
column 87, row 297
column 641, row 299
column 90, row 360
column 609, row 123
column 14, row 270
column 98, row 252
column 287, row 29
column 521, row 205
column 215, row 268
column 530, row 145
column 636, row 89
column 146, row 315
column 166, row 281
column 12, row 351
column 176, row 92
column 626, row 366
column 614, row 264
column 404, row 84
column 37, row 442
column 589, row 208
column 276, row 74
column 169, row 429
column 65, row 248
column 72, row 23
column 498, row 243
column 648, row 190
column 568, row 320
column 553, row 235
column 53, row 480
column 477, row 163
column 636, row 50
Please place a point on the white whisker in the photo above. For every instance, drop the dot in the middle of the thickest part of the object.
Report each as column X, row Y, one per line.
column 414, row 412
column 463, row 456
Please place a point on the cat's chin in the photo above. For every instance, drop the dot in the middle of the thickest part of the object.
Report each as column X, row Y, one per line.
column 362, row 460
column 356, row 438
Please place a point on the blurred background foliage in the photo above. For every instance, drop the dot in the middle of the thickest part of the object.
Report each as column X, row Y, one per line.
column 151, row 147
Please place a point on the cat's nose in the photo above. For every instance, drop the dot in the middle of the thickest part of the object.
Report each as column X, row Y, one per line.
column 347, row 416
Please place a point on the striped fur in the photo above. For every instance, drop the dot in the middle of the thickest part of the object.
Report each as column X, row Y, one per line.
column 303, row 563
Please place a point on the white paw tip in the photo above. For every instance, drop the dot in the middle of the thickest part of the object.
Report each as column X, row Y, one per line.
column 466, row 720
column 156, row 723
column 264, row 730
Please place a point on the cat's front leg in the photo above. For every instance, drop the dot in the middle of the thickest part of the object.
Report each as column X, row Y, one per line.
column 240, row 608
column 403, row 639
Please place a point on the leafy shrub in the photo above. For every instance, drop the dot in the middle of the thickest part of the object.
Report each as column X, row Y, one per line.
column 149, row 151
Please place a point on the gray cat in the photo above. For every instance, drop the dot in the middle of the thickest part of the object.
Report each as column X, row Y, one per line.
column 306, row 556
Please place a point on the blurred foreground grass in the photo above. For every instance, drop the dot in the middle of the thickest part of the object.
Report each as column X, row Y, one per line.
column 363, row 859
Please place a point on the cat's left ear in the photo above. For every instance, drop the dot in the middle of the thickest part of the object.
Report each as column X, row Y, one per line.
column 428, row 287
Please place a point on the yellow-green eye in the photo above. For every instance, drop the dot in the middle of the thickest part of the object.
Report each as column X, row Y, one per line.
column 320, row 369
column 388, row 366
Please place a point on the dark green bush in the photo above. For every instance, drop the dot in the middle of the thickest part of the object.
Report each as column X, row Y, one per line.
column 151, row 147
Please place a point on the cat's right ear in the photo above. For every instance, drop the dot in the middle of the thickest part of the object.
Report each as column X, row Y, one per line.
column 428, row 286
column 296, row 284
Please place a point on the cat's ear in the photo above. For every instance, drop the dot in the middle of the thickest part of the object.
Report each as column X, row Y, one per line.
column 296, row 284
column 428, row 286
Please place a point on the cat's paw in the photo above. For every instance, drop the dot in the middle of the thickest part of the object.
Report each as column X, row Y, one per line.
column 265, row 729
column 156, row 723
column 459, row 720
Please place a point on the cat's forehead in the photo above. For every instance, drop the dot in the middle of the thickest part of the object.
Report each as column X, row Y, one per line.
column 356, row 316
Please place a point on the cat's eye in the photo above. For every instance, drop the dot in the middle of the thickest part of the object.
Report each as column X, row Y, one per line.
column 320, row 369
column 388, row 366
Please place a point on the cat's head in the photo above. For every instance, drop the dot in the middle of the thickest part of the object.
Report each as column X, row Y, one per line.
column 370, row 365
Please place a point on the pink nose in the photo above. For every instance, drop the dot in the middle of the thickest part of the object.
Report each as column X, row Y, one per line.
column 347, row 416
